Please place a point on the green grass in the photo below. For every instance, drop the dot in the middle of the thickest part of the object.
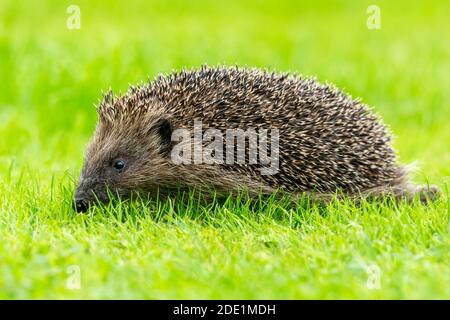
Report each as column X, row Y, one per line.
column 52, row 76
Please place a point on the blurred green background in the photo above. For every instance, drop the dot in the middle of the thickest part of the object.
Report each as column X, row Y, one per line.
column 51, row 77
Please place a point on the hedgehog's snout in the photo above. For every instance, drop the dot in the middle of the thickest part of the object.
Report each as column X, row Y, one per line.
column 82, row 199
column 80, row 205
column 89, row 191
column 80, row 202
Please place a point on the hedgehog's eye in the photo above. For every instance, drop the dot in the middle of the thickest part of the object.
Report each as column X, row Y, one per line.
column 119, row 164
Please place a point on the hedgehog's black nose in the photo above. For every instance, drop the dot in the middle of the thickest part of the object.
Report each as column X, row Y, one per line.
column 80, row 205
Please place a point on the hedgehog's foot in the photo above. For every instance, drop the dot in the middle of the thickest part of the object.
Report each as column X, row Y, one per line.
column 425, row 193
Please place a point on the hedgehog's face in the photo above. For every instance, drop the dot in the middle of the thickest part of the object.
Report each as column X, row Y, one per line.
column 123, row 159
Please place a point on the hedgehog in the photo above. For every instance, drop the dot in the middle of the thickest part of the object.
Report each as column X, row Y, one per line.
column 327, row 143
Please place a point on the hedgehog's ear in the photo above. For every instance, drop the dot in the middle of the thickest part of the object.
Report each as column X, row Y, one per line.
column 163, row 128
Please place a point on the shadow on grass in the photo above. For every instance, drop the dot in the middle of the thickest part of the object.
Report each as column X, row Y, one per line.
column 241, row 208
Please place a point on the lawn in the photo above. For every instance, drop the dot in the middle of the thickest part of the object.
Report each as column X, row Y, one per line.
column 52, row 76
